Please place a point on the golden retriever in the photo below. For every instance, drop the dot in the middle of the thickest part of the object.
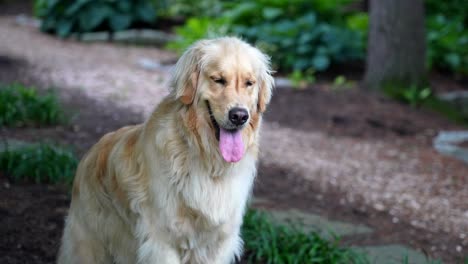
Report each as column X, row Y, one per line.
column 174, row 189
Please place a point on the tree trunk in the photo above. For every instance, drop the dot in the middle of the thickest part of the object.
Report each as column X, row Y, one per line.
column 396, row 47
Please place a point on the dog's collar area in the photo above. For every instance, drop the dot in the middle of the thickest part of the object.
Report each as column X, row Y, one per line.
column 213, row 120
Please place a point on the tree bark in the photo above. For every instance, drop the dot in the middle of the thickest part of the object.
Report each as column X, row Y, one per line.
column 396, row 46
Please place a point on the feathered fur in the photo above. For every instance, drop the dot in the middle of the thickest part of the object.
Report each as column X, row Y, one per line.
column 160, row 192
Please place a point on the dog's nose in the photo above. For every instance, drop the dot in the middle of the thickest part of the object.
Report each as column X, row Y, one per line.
column 238, row 116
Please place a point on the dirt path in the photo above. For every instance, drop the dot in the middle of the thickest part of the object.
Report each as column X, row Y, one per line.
column 348, row 155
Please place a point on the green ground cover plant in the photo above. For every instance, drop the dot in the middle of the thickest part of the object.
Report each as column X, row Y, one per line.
column 66, row 17
column 41, row 163
column 291, row 30
column 22, row 106
column 306, row 35
column 422, row 96
column 268, row 242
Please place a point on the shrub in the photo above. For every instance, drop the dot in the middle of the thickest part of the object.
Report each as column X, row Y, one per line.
column 448, row 43
column 42, row 163
column 189, row 8
column 266, row 242
column 288, row 29
column 21, row 105
column 66, row 17
column 195, row 29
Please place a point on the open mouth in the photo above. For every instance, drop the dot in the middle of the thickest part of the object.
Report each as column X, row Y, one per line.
column 231, row 144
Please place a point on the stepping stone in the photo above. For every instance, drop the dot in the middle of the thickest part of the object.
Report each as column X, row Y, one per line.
column 312, row 222
column 393, row 254
column 12, row 144
column 446, row 143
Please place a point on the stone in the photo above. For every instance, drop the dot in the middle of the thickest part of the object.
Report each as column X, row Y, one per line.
column 459, row 99
column 281, row 82
column 143, row 37
column 152, row 65
column 393, row 254
column 11, row 144
column 312, row 222
column 95, row 37
column 446, row 144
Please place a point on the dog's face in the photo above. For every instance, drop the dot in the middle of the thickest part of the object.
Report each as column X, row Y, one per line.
column 230, row 82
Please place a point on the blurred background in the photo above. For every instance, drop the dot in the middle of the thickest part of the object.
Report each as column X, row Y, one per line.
column 364, row 145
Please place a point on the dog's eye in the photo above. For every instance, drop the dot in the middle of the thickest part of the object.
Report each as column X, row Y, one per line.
column 220, row 81
column 248, row 83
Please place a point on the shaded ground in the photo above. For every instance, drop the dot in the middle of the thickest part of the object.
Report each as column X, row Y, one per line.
column 334, row 153
column 31, row 217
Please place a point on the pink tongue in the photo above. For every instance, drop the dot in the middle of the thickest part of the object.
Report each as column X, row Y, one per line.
column 231, row 145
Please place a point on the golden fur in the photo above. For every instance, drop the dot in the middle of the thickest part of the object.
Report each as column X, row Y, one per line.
column 160, row 192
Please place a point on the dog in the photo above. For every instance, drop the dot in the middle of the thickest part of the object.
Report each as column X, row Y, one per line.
column 174, row 189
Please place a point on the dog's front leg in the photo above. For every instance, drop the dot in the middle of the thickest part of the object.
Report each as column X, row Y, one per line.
column 230, row 249
column 154, row 246
column 155, row 252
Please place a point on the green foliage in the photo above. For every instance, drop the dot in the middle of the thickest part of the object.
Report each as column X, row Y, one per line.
column 42, row 163
column 288, row 29
column 66, row 17
column 414, row 95
column 420, row 96
column 448, row 43
column 456, row 8
column 447, row 35
column 20, row 105
column 301, row 79
column 340, row 82
column 188, row 8
column 195, row 29
column 266, row 242
column 359, row 22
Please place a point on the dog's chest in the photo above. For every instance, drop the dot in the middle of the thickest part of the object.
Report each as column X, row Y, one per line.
column 216, row 200
column 211, row 209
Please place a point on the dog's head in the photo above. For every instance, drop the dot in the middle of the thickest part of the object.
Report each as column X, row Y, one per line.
column 229, row 82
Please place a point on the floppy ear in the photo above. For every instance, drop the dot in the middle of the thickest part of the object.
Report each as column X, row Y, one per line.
column 185, row 76
column 266, row 84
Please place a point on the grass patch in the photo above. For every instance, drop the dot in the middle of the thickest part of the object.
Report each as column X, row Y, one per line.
column 424, row 97
column 268, row 242
column 42, row 163
column 23, row 106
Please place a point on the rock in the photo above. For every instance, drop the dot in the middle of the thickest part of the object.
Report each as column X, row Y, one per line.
column 312, row 222
column 446, row 143
column 95, row 37
column 454, row 95
column 25, row 20
column 11, row 144
column 459, row 99
column 152, row 65
column 143, row 37
column 281, row 82
column 393, row 254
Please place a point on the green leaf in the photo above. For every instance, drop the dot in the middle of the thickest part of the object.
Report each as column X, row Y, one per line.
column 320, row 62
column 146, row 12
column 75, row 7
column 120, row 21
column 93, row 16
column 271, row 12
column 64, row 28
column 453, row 60
column 124, row 5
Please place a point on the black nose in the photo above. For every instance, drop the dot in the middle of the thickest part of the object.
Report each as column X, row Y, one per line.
column 238, row 116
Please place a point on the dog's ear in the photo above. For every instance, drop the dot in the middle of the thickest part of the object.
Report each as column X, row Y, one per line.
column 266, row 84
column 184, row 80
